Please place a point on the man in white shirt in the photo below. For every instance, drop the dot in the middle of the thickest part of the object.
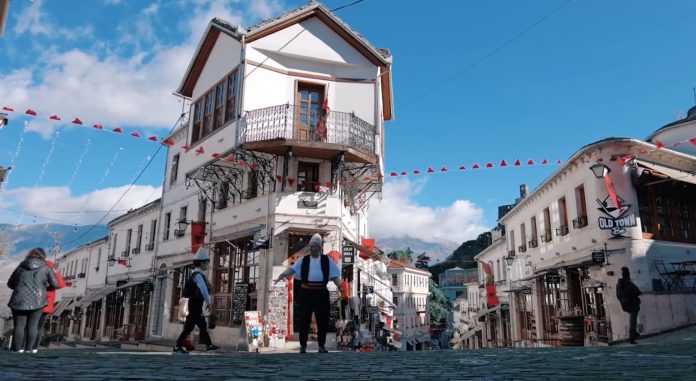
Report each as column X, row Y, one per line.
column 314, row 271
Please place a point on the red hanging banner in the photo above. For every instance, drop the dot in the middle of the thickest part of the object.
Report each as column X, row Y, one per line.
column 197, row 235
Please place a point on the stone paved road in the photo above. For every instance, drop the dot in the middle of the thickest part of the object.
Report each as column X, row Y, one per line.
column 670, row 357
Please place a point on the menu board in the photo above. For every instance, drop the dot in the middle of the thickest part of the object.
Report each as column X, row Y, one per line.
column 239, row 301
column 278, row 311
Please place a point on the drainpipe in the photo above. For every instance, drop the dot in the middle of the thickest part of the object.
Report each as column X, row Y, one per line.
column 241, row 79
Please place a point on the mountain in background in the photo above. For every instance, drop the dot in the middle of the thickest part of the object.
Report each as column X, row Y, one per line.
column 463, row 256
column 17, row 240
column 436, row 251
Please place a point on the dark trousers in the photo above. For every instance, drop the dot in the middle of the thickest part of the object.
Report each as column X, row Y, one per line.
column 26, row 327
column 194, row 318
column 39, row 334
column 316, row 302
column 633, row 322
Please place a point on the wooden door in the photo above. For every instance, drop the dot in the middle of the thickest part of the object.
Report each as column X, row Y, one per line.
column 308, row 102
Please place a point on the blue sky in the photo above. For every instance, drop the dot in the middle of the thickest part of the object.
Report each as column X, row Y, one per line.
column 590, row 70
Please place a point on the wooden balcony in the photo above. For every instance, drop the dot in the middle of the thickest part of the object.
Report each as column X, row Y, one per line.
column 309, row 132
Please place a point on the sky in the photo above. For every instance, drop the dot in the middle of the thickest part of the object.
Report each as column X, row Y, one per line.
column 474, row 82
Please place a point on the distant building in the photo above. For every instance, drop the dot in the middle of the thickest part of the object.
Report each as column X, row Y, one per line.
column 410, row 287
column 453, row 281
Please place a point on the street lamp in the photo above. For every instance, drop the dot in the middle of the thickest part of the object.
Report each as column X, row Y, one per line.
column 111, row 261
column 600, row 170
column 509, row 260
column 182, row 224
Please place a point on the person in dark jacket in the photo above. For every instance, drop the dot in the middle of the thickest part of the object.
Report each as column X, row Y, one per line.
column 629, row 296
column 29, row 283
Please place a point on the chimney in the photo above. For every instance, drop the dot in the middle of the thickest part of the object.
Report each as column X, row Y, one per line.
column 523, row 191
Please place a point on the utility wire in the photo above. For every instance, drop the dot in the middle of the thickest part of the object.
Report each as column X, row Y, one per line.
column 488, row 55
column 128, row 189
column 347, row 5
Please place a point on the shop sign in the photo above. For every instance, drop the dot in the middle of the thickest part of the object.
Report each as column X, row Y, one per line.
column 598, row 257
column 553, row 278
column 616, row 219
column 348, row 252
column 527, row 291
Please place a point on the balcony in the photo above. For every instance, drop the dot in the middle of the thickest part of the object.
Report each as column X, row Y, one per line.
column 135, row 251
column 522, row 248
column 580, row 222
column 533, row 243
column 546, row 237
column 562, row 230
column 150, row 246
column 309, row 132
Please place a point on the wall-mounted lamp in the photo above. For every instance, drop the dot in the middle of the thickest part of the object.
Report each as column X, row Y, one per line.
column 509, row 260
column 183, row 224
column 600, row 170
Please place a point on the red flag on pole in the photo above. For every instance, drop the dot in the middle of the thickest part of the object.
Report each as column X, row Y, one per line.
column 693, row 141
column 416, row 172
column 197, row 235
column 186, row 147
column 544, row 161
column 393, row 174
column 168, row 142
column 404, row 173
column 215, row 155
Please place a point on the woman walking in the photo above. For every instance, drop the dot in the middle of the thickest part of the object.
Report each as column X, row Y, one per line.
column 29, row 283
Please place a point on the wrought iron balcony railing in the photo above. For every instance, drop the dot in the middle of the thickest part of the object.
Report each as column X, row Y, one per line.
column 307, row 124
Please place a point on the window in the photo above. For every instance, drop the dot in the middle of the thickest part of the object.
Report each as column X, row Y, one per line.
column 668, row 211
column 153, row 232
column 223, row 189
column 215, row 108
column 395, row 280
column 129, row 235
column 395, row 300
column 231, row 104
column 581, row 208
column 175, row 169
column 167, row 223
column 252, row 184
column 563, row 217
column 512, row 243
column 139, row 239
column 182, row 213
column 307, row 177
column 98, row 259
column 533, row 226
column 235, row 267
column 546, row 236
column 523, row 235
column 113, row 247
column 220, row 97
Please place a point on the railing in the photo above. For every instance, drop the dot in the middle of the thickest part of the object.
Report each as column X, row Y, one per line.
column 522, row 248
column 562, row 230
column 533, row 243
column 307, row 124
column 580, row 222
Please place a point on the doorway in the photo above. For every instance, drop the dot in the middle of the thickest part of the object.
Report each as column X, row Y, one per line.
column 308, row 108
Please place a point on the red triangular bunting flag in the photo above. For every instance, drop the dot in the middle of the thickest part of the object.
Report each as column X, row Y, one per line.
column 353, row 181
column 135, row 134
column 693, row 141
column 215, row 155
column 77, row 121
column 54, row 117
column 443, row 169
column 475, row 166
column 489, row 165
column 279, row 178
column 659, row 144
column 253, row 166
column 644, row 150
column 517, row 163
column 117, row 130
column 98, row 126
column 153, row 138
column 329, row 184
column 530, row 162
column 416, row 172
column 291, row 181
column 393, row 174
column 367, row 178
column 558, row 161
column 380, row 176
column 544, row 161
column 30, row 112
column 676, row 144
column 242, row 163
column 340, row 183
column 462, row 167
column 503, row 163
column 430, row 170
column 200, row 150
column 404, row 173
column 230, row 159
column 317, row 187
column 168, row 142
column 186, row 147
column 7, row 108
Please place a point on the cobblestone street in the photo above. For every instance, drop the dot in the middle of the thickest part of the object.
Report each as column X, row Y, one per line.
column 669, row 357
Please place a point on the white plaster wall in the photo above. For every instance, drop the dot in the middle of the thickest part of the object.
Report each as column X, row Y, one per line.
column 676, row 134
column 143, row 261
column 224, row 57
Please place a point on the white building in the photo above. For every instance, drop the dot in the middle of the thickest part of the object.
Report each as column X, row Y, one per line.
column 569, row 240
column 284, row 139
column 410, row 287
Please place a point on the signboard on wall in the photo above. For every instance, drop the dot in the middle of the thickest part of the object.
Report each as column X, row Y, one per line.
column 348, row 252
column 598, row 257
column 615, row 218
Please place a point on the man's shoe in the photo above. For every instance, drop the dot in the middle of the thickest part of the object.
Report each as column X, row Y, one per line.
column 34, row 351
column 180, row 350
column 303, row 350
column 212, row 347
column 323, row 350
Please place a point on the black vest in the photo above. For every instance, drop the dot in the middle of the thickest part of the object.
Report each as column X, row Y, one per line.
column 304, row 272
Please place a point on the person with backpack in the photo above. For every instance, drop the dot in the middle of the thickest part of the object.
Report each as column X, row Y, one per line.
column 197, row 290
column 314, row 271
column 29, row 283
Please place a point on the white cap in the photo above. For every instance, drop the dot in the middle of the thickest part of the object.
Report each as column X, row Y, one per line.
column 316, row 240
column 201, row 254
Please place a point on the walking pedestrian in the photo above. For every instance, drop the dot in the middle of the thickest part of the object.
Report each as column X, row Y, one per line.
column 29, row 283
column 314, row 271
column 197, row 290
column 629, row 296
column 50, row 307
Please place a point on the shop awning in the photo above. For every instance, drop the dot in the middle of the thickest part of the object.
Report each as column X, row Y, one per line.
column 236, row 235
column 486, row 311
column 675, row 174
column 62, row 306
column 98, row 294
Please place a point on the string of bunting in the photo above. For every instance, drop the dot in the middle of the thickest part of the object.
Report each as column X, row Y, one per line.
column 379, row 176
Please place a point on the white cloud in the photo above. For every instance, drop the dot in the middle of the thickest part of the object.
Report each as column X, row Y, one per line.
column 59, row 204
column 104, row 87
column 398, row 215
column 33, row 21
